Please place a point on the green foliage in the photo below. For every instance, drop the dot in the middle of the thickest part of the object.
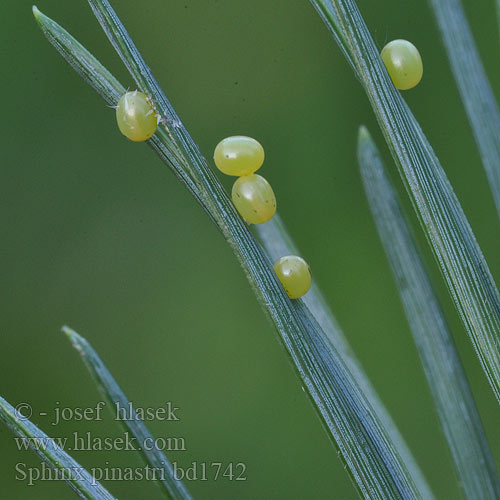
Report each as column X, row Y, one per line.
column 369, row 444
column 475, row 89
column 173, row 488
column 353, row 425
column 80, row 481
column 442, row 218
column 277, row 241
column 452, row 395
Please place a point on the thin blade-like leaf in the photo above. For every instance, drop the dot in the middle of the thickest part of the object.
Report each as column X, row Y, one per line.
column 67, row 469
column 456, row 408
column 108, row 386
column 475, row 90
column 444, row 223
column 110, row 89
column 373, row 463
column 278, row 242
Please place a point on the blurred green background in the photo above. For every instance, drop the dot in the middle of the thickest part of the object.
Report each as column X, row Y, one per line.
column 98, row 234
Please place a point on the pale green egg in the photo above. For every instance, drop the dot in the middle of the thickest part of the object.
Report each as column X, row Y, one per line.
column 403, row 63
column 136, row 116
column 254, row 198
column 294, row 274
column 239, row 155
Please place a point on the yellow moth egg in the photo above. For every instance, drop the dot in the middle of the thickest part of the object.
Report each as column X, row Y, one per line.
column 403, row 63
column 294, row 274
column 254, row 198
column 239, row 155
column 136, row 116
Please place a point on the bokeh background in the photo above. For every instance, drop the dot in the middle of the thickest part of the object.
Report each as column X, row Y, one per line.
column 98, row 234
